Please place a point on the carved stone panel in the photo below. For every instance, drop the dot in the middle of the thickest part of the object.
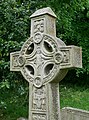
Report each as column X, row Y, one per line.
column 39, row 99
column 38, row 25
column 72, row 57
column 14, row 58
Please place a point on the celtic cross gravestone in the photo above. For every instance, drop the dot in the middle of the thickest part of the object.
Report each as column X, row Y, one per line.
column 44, row 60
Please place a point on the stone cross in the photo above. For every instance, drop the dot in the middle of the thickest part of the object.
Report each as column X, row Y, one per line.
column 44, row 60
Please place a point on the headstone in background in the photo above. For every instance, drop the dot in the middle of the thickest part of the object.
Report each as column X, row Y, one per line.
column 44, row 61
column 69, row 113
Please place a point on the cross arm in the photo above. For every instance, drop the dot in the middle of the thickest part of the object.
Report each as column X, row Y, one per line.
column 72, row 57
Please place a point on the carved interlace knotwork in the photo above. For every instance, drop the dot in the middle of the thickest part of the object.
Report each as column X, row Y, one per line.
column 66, row 54
column 15, row 61
column 39, row 117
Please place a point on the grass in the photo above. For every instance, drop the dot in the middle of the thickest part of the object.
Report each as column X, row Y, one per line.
column 14, row 103
column 74, row 96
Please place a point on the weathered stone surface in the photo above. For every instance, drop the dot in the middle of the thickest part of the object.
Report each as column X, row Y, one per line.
column 44, row 60
column 69, row 113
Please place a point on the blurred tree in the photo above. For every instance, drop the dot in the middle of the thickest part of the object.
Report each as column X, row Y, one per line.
column 14, row 29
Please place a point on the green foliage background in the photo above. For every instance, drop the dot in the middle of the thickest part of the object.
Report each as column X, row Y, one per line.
column 72, row 28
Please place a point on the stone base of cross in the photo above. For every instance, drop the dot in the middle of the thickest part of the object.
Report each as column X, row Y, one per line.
column 44, row 60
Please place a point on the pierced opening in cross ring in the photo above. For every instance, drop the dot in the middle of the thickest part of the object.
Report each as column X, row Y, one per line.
column 30, row 69
column 48, row 47
column 48, row 69
column 30, row 49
